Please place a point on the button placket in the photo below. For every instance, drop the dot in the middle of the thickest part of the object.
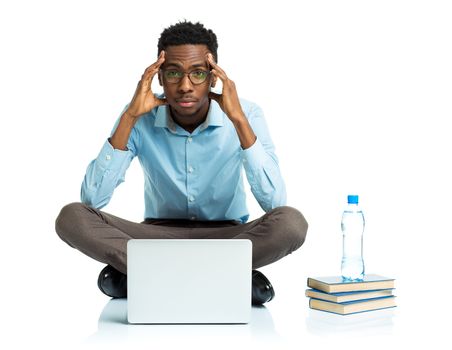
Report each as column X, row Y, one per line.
column 191, row 200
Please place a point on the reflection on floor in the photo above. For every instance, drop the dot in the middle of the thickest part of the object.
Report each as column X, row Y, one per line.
column 373, row 323
column 113, row 328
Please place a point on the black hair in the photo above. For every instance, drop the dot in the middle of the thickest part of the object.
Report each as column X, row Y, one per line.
column 184, row 33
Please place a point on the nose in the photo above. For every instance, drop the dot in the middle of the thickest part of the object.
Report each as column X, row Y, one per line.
column 185, row 85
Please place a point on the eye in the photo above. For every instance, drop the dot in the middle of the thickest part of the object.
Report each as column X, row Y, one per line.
column 199, row 74
column 173, row 74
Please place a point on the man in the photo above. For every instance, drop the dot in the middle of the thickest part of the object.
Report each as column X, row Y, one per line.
column 192, row 144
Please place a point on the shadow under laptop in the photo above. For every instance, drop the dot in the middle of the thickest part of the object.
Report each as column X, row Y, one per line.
column 113, row 328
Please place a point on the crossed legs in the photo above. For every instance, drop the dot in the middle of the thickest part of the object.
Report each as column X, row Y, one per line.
column 104, row 237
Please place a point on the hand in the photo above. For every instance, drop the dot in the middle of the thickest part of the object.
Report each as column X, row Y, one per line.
column 144, row 99
column 230, row 104
column 228, row 100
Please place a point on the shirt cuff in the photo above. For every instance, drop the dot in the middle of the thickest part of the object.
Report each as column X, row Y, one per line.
column 110, row 158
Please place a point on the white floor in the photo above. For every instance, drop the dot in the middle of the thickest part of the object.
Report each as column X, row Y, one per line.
column 54, row 302
column 113, row 328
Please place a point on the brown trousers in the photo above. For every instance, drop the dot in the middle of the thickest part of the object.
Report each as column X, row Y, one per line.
column 104, row 237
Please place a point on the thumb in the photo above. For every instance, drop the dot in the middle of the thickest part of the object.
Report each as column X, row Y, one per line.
column 161, row 102
column 214, row 96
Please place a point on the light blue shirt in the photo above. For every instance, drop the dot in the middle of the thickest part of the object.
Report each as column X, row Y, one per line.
column 196, row 176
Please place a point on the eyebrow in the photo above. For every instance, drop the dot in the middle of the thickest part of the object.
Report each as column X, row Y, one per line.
column 196, row 65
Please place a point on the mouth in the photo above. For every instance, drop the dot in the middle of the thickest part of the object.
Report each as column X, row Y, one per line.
column 186, row 103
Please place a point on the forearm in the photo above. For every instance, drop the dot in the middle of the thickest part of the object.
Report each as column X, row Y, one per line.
column 121, row 135
column 244, row 131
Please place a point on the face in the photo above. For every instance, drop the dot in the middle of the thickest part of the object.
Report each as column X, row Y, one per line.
column 189, row 102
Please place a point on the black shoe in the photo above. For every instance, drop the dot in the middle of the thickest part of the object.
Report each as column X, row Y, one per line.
column 112, row 282
column 262, row 289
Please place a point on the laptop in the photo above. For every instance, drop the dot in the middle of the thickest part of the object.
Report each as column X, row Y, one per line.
column 189, row 280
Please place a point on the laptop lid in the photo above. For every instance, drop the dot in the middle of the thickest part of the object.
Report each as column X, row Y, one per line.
column 189, row 280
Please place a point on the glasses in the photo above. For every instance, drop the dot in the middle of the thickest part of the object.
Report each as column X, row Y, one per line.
column 197, row 76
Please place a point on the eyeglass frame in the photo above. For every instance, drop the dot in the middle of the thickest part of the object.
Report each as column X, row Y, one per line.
column 209, row 73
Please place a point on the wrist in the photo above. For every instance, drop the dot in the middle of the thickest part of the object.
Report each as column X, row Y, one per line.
column 121, row 135
column 128, row 119
column 129, row 115
column 238, row 118
column 244, row 131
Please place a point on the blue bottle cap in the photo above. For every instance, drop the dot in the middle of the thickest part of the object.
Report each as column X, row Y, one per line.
column 353, row 199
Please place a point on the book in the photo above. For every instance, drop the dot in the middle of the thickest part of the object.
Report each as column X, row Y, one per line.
column 335, row 284
column 347, row 296
column 352, row 307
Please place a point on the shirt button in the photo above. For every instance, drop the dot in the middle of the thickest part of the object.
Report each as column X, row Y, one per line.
column 193, row 218
column 190, row 139
column 107, row 157
column 191, row 199
column 190, row 169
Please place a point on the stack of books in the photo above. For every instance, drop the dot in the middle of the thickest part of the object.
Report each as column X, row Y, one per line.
column 334, row 295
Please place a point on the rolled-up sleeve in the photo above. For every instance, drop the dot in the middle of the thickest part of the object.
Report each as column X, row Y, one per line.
column 106, row 172
column 261, row 165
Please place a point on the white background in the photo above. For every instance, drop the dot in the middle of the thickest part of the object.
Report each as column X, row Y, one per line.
column 357, row 95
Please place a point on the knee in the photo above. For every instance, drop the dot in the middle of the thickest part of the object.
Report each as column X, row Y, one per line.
column 293, row 224
column 67, row 219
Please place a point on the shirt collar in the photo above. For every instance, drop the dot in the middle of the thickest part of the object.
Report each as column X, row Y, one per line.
column 163, row 119
column 215, row 117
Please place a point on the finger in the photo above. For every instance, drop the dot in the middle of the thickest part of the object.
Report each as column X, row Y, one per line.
column 210, row 59
column 146, row 79
column 161, row 58
column 215, row 65
column 156, row 64
column 219, row 74
column 152, row 70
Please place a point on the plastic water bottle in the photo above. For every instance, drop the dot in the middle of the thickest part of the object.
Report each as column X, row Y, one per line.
column 352, row 225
